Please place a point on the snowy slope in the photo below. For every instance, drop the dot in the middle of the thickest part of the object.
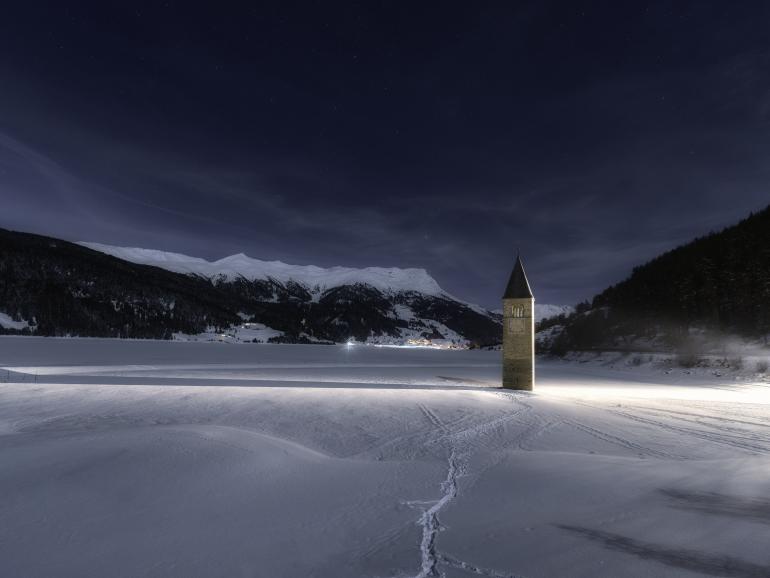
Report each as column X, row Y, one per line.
column 545, row 311
column 8, row 322
column 233, row 267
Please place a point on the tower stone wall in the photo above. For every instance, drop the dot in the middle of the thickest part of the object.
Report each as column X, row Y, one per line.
column 518, row 331
column 519, row 343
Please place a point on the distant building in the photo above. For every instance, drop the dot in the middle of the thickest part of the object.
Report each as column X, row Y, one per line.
column 518, row 331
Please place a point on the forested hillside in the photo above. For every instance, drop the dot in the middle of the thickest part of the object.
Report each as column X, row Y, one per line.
column 64, row 289
column 720, row 282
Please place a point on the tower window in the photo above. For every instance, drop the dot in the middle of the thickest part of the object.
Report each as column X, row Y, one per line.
column 518, row 310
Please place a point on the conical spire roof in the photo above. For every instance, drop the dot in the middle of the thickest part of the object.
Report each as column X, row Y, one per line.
column 518, row 285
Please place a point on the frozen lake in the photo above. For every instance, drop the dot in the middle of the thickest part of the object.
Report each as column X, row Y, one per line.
column 140, row 458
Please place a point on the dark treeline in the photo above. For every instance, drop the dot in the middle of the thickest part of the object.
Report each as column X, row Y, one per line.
column 720, row 282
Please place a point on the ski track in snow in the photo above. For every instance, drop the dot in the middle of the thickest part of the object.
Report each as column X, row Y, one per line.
column 697, row 426
column 455, row 563
column 604, row 436
column 726, row 438
column 430, row 522
column 461, row 445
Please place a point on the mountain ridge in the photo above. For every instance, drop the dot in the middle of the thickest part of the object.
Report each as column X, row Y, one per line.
column 54, row 287
column 312, row 276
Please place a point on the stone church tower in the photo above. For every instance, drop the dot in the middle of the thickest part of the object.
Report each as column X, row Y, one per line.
column 518, row 331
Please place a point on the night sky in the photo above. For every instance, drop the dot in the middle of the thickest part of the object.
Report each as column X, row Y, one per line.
column 591, row 136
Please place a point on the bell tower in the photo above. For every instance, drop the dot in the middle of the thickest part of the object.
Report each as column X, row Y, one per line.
column 518, row 331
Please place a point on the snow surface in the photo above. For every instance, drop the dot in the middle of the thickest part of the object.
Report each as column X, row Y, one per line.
column 390, row 279
column 8, row 322
column 139, row 458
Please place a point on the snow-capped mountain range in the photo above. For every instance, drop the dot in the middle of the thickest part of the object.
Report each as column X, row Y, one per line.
column 315, row 279
column 53, row 287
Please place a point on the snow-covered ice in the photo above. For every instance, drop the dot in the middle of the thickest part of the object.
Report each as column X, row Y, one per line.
column 146, row 458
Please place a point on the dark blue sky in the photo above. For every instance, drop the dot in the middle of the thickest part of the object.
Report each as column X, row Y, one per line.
column 592, row 136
